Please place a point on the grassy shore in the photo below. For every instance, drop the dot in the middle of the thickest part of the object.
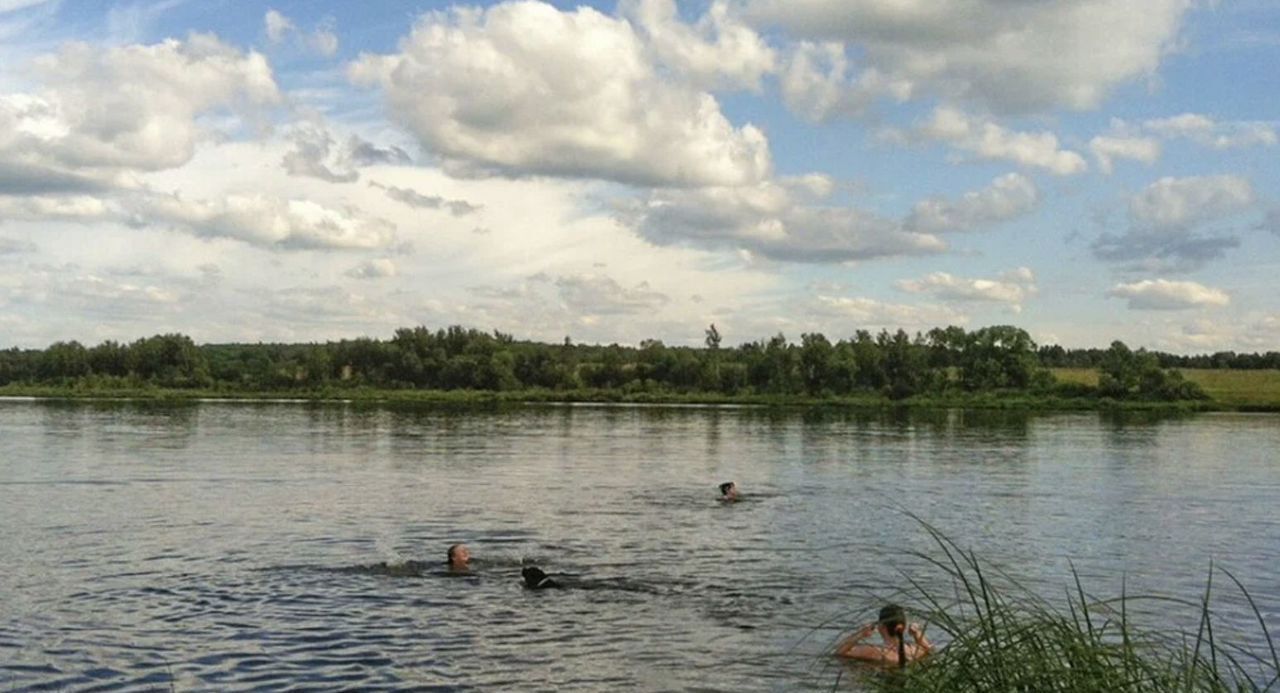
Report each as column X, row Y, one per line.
column 1228, row 390
column 997, row 635
column 985, row 400
column 1250, row 390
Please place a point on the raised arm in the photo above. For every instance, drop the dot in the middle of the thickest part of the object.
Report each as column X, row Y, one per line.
column 923, row 646
column 852, row 646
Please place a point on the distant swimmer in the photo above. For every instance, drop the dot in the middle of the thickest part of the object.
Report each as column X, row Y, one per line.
column 535, row 579
column 729, row 492
column 892, row 626
column 459, row 557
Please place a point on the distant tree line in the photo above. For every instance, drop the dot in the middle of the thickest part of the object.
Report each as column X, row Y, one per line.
column 1054, row 356
column 896, row 364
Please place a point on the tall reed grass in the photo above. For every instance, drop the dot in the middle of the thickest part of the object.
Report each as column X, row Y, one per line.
column 997, row 635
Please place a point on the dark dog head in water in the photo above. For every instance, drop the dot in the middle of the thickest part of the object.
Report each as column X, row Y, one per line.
column 535, row 579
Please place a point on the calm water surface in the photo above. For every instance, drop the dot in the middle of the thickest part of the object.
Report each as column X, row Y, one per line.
column 222, row 546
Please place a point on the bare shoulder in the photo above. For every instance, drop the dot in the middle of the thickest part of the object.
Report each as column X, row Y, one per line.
column 867, row 653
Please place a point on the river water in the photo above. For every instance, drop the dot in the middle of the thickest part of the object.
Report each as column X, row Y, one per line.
column 224, row 545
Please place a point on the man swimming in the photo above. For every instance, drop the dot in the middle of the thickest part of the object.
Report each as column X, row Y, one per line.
column 893, row 628
column 729, row 492
column 535, row 579
column 459, row 557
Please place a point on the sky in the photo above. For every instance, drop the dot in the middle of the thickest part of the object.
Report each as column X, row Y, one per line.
column 313, row 170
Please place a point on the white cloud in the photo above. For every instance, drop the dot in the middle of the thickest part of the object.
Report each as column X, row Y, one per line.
column 768, row 220
column 1011, row 288
column 15, row 246
column 1106, row 149
column 323, row 41
column 1206, row 132
column 818, row 83
column 316, row 154
column 593, row 294
column 570, row 94
column 267, row 221
column 1167, row 219
column 854, row 312
column 1008, row 197
column 1179, row 203
column 81, row 208
column 278, row 26
column 15, row 5
column 718, row 51
column 417, row 200
column 1161, row 294
column 104, row 114
column 990, row 141
column 378, row 268
column 1017, row 56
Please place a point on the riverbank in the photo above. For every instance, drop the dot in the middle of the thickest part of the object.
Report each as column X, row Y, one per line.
column 983, row 400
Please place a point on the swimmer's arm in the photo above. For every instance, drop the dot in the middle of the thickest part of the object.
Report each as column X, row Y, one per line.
column 923, row 646
column 852, row 646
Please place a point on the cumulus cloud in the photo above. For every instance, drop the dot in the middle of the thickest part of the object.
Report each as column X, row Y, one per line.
column 870, row 314
column 716, row 52
column 317, row 155
column 593, row 294
column 1010, row 57
column 1011, row 288
column 266, row 221
column 1008, row 197
column 104, row 114
column 1167, row 219
column 989, row 141
column 572, row 94
column 1179, row 203
column 78, row 208
column 818, row 83
column 1207, row 132
column 379, row 268
column 94, row 295
column 324, row 305
column 1106, row 149
column 15, row 246
column 1161, row 294
column 558, row 302
column 323, row 40
column 413, row 198
column 278, row 26
column 768, row 220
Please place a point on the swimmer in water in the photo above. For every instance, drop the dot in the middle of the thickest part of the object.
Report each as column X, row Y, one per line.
column 893, row 628
column 729, row 492
column 459, row 557
column 535, row 579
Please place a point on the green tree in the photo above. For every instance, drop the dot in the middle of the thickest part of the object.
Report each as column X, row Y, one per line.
column 63, row 361
column 816, row 355
column 998, row 357
column 109, row 358
column 169, row 360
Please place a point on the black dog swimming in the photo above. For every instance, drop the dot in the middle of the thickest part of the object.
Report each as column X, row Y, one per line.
column 535, row 579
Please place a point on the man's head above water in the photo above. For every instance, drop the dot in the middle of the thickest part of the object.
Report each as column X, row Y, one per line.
column 459, row 557
column 728, row 491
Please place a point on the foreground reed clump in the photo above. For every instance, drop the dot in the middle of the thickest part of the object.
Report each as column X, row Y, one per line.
column 1001, row 636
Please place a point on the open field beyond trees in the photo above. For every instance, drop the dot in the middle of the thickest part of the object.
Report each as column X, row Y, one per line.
column 1229, row 388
